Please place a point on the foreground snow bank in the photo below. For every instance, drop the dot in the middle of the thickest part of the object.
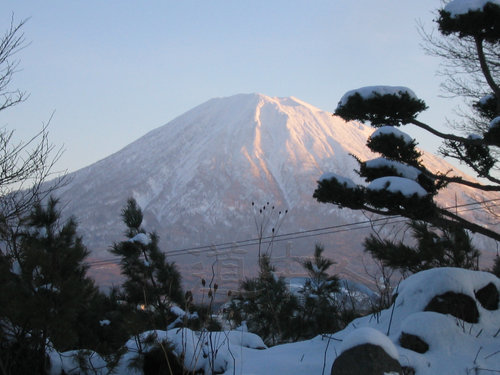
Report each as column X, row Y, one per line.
column 453, row 346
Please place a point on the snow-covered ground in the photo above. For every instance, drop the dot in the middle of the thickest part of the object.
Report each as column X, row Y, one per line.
column 455, row 346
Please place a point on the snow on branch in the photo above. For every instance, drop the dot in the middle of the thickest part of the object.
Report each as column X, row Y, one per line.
column 347, row 182
column 495, row 123
column 384, row 130
column 380, row 105
column 460, row 7
column 142, row 238
column 401, row 169
column 476, row 18
column 401, row 185
column 369, row 92
column 493, row 134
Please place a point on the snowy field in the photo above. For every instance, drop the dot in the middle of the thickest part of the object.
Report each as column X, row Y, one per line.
column 455, row 346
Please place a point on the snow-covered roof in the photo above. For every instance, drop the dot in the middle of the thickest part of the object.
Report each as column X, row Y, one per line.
column 401, row 185
column 459, row 7
column 370, row 91
column 383, row 130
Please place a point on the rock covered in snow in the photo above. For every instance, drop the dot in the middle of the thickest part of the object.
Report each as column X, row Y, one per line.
column 367, row 335
column 458, row 305
column 367, row 351
column 418, row 290
column 366, row 359
column 413, row 342
column 488, row 296
column 440, row 341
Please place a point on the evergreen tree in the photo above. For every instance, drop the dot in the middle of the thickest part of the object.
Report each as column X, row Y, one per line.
column 266, row 305
column 398, row 182
column 319, row 310
column 451, row 247
column 496, row 266
column 102, row 326
column 44, row 291
column 152, row 285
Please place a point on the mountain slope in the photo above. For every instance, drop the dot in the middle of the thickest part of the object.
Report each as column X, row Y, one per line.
column 197, row 176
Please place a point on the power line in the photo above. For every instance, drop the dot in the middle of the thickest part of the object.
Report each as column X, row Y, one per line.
column 292, row 235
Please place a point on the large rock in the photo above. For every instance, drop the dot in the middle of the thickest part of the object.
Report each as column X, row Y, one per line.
column 365, row 359
column 488, row 297
column 413, row 342
column 459, row 305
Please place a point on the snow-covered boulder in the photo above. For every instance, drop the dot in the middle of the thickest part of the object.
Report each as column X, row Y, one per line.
column 458, row 305
column 418, row 291
column 367, row 351
column 439, row 317
column 488, row 296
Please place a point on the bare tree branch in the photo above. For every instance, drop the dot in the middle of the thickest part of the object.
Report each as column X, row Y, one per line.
column 24, row 165
column 12, row 42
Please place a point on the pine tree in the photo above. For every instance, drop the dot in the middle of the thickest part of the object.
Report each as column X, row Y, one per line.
column 266, row 305
column 152, row 285
column 319, row 311
column 451, row 247
column 496, row 266
column 398, row 182
column 44, row 290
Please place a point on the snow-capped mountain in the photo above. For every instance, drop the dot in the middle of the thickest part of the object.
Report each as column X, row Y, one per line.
column 197, row 176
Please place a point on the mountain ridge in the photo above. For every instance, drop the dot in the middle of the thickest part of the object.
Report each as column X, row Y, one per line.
column 196, row 176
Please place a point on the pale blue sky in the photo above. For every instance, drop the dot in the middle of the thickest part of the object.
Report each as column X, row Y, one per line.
column 113, row 70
